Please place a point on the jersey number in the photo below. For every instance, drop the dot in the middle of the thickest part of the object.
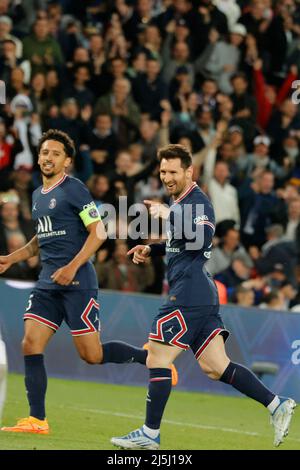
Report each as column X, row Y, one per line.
column 29, row 303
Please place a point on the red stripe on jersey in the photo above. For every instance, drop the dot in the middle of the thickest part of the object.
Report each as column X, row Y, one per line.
column 32, row 316
column 159, row 379
column 207, row 341
column 85, row 318
column 206, row 222
column 45, row 191
column 188, row 191
column 158, row 336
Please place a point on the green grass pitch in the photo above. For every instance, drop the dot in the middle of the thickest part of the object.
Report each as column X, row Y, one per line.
column 84, row 415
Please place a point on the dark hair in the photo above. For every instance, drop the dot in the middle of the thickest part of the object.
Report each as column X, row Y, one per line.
column 239, row 75
column 176, row 151
column 59, row 136
column 101, row 114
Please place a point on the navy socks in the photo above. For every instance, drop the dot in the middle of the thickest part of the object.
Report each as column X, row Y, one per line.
column 120, row 353
column 158, row 393
column 36, row 384
column 247, row 383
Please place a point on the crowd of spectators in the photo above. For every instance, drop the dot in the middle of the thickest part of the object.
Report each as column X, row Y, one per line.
column 124, row 77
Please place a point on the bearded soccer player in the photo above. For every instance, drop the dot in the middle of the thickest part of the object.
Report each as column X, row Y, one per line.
column 190, row 316
column 68, row 232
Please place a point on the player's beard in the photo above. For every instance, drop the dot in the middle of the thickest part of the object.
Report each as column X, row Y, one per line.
column 176, row 190
column 48, row 174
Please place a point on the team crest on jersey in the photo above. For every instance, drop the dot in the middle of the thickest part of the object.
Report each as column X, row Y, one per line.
column 52, row 203
column 93, row 213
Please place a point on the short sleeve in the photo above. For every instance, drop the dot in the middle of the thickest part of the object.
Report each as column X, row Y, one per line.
column 199, row 224
column 205, row 221
column 82, row 202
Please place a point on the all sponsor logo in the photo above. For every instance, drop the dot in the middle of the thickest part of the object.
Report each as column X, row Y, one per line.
column 44, row 224
column 45, row 228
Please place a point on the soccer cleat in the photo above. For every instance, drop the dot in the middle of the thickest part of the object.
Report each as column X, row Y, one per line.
column 281, row 419
column 136, row 440
column 173, row 369
column 31, row 425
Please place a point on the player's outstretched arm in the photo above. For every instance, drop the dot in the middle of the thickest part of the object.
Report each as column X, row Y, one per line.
column 24, row 253
column 97, row 236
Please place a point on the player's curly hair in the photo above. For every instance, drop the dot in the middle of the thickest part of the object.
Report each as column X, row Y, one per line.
column 59, row 136
column 176, row 151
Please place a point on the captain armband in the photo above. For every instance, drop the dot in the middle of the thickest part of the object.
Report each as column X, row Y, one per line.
column 89, row 214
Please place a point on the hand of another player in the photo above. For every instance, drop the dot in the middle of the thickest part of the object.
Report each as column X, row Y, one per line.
column 157, row 209
column 140, row 253
column 64, row 276
column 4, row 264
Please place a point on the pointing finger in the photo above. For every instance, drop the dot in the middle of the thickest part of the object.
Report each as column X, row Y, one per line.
column 133, row 250
column 149, row 202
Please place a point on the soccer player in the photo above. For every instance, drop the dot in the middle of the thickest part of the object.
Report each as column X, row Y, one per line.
column 68, row 232
column 190, row 317
column 3, row 371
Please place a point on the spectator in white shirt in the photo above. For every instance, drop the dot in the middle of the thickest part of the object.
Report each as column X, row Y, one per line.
column 293, row 220
column 223, row 195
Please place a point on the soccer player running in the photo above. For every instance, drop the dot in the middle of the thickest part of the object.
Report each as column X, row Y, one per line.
column 190, row 317
column 68, row 232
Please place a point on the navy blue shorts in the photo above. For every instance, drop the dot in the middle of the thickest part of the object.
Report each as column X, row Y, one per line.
column 79, row 309
column 188, row 327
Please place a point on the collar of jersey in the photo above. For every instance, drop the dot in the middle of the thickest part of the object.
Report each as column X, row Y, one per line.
column 45, row 191
column 188, row 191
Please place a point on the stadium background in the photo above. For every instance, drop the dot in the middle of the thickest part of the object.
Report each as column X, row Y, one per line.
column 125, row 77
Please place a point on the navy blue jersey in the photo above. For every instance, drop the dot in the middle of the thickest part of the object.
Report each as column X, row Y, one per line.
column 61, row 215
column 188, row 248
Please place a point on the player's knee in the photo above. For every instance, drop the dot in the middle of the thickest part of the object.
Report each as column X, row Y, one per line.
column 91, row 357
column 150, row 362
column 30, row 345
column 214, row 375
column 154, row 361
column 212, row 372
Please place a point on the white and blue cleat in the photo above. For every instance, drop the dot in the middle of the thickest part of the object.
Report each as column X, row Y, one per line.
column 136, row 440
column 281, row 419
